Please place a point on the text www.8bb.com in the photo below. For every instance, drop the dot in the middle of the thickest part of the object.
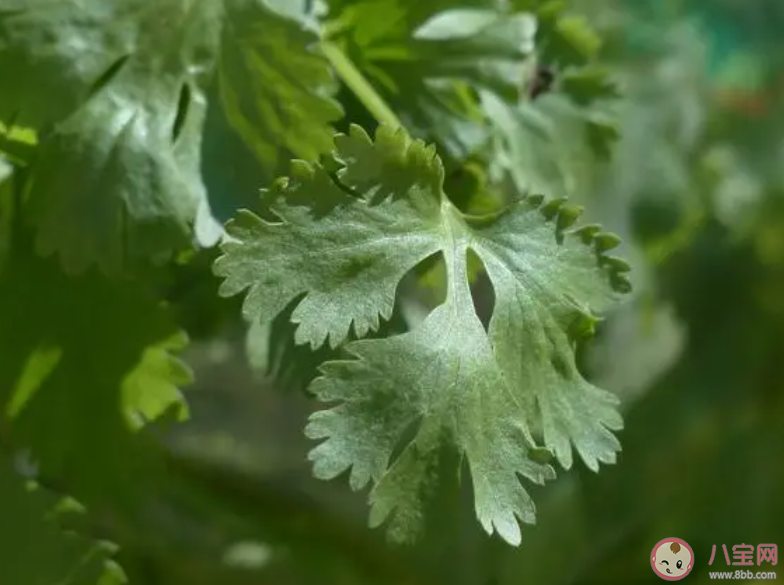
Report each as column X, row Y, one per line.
column 736, row 575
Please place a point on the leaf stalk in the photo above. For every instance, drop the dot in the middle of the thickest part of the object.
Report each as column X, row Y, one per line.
column 358, row 83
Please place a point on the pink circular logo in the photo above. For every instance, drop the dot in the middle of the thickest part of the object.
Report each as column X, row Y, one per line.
column 672, row 559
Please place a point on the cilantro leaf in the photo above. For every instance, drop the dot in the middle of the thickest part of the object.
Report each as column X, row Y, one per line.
column 569, row 40
column 18, row 143
column 274, row 88
column 345, row 244
column 427, row 65
column 273, row 352
column 550, row 145
column 34, row 550
column 75, row 368
column 120, row 89
column 346, row 258
column 551, row 142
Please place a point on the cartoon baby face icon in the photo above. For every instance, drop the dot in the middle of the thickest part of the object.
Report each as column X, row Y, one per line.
column 672, row 559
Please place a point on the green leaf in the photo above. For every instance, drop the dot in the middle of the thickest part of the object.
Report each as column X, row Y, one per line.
column 549, row 145
column 552, row 142
column 564, row 40
column 89, row 362
column 6, row 211
column 120, row 89
column 426, row 69
column 588, row 85
column 573, row 41
column 18, row 143
column 35, row 550
column 345, row 246
column 273, row 352
column 274, row 88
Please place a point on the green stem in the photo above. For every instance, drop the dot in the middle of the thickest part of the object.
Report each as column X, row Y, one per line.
column 361, row 87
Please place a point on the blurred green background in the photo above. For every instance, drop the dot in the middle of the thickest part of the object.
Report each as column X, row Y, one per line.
column 696, row 188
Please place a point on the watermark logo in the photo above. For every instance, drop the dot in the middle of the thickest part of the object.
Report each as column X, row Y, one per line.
column 744, row 554
column 672, row 559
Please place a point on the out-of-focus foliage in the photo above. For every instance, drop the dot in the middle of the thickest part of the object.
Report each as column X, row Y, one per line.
column 43, row 553
column 663, row 119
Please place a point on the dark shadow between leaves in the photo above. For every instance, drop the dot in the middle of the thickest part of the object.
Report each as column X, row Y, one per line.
column 183, row 105
column 482, row 291
column 106, row 77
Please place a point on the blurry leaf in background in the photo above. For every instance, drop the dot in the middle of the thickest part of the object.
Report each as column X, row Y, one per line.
column 274, row 87
column 75, row 368
column 18, row 143
column 125, row 142
column 274, row 354
column 638, row 345
column 427, row 64
column 737, row 193
column 569, row 39
column 36, row 550
column 551, row 141
column 546, row 146
column 251, row 555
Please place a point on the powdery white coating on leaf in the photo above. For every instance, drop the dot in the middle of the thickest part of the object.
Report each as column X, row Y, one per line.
column 340, row 250
column 482, row 394
column 444, row 374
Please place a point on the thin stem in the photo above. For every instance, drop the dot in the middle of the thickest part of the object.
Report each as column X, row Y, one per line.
column 361, row 87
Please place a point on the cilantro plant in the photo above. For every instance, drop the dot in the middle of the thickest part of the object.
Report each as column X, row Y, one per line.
column 419, row 153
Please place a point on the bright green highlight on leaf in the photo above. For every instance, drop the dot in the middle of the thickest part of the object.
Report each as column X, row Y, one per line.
column 120, row 88
column 343, row 244
column 18, row 143
column 87, row 361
